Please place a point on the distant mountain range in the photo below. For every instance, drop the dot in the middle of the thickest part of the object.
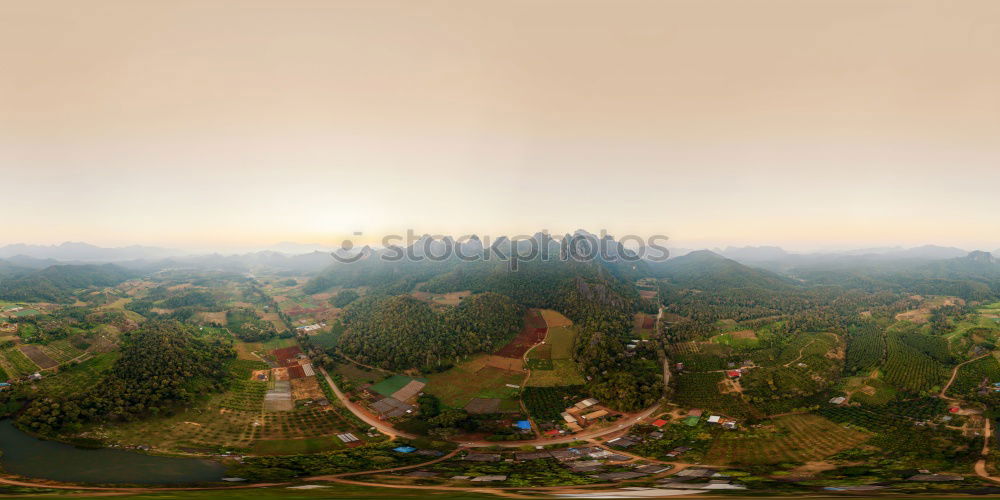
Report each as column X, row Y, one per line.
column 84, row 252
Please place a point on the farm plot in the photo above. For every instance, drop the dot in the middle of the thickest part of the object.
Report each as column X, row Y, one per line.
column 532, row 333
column 473, row 379
column 393, row 384
column 546, row 403
column 61, row 351
column 554, row 319
column 980, row 373
column 701, row 390
column 76, row 378
column 235, row 420
column 16, row 364
column 37, row 356
column 908, row 368
column 793, row 438
column 562, row 372
column 644, row 325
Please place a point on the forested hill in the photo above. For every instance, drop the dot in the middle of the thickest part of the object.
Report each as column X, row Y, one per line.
column 162, row 365
column 402, row 332
column 706, row 270
column 58, row 283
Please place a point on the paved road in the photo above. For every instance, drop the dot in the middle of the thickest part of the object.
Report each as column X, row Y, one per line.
column 384, row 427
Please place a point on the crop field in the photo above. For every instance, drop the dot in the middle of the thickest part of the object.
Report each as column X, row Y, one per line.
column 870, row 390
column 61, row 351
column 865, row 348
column 804, row 366
column 740, row 339
column 245, row 349
column 793, row 438
column 37, row 356
column 546, row 403
column 554, row 318
column 296, row 446
column 389, row 386
column 888, row 418
column 644, row 325
column 533, row 332
column 244, row 393
column 75, row 378
column 359, row 374
column 562, row 372
column 15, row 363
column 473, row 379
column 235, row 419
column 909, row 369
column 701, row 390
column 561, row 339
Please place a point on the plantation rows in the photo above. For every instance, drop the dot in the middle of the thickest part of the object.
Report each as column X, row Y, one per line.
column 935, row 347
column 546, row 403
column 909, row 369
column 971, row 375
column 17, row 364
column 895, row 416
column 245, row 394
column 798, row 438
column 865, row 348
column 76, row 378
column 700, row 362
column 701, row 390
column 61, row 351
column 765, row 383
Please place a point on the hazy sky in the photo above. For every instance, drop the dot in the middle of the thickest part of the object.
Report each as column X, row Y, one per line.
column 801, row 123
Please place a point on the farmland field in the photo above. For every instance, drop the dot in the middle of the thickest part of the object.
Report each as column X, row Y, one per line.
column 235, row 419
column 474, row 378
column 296, row 446
column 72, row 379
column 563, row 372
column 546, row 403
column 61, row 350
column 562, row 339
column 794, row 438
column 37, row 356
column 15, row 363
column 554, row 318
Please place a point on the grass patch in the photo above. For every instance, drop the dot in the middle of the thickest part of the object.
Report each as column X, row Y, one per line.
column 455, row 387
column 563, row 372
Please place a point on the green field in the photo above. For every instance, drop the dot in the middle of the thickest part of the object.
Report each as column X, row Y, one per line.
column 563, row 372
column 392, row 384
column 795, row 438
column 73, row 379
column 561, row 338
column 472, row 379
column 296, row 446
column 15, row 363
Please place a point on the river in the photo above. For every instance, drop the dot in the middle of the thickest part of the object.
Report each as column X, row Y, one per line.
column 28, row 456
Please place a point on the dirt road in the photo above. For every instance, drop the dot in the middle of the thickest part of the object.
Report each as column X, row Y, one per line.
column 383, row 427
column 954, row 373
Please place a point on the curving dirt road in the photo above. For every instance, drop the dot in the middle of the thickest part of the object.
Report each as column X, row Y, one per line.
column 382, row 426
column 954, row 373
